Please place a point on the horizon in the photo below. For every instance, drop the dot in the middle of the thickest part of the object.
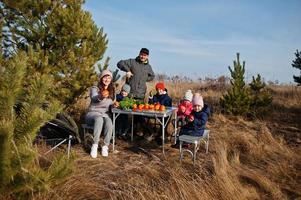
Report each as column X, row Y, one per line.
column 201, row 38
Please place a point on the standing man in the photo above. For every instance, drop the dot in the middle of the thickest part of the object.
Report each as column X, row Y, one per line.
column 138, row 72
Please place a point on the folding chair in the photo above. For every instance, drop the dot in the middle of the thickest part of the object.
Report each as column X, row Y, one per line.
column 193, row 140
column 60, row 143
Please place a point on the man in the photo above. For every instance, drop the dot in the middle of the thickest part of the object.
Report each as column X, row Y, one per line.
column 138, row 72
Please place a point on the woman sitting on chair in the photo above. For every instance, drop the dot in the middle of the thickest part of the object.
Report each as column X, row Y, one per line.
column 102, row 98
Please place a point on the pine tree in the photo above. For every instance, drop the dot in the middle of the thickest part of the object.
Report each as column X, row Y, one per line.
column 237, row 99
column 297, row 64
column 22, row 113
column 61, row 39
column 261, row 98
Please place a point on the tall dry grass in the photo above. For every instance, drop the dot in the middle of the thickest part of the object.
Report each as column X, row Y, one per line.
column 246, row 160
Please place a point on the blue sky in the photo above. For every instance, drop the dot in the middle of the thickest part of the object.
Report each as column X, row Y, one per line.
column 198, row 38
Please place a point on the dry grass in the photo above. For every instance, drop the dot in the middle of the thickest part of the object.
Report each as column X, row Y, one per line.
column 246, row 160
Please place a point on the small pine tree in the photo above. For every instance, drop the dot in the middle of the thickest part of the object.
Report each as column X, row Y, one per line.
column 237, row 99
column 20, row 173
column 261, row 98
column 297, row 64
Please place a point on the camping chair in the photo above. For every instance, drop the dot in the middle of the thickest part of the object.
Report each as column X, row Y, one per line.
column 58, row 131
column 195, row 140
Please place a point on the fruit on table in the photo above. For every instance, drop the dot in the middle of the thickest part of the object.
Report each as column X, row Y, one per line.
column 105, row 93
column 146, row 106
column 162, row 108
column 151, row 106
column 135, row 106
column 128, row 103
column 157, row 107
column 140, row 106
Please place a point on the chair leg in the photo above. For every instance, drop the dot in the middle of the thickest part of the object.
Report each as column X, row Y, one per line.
column 194, row 152
column 181, row 151
column 207, row 143
column 69, row 145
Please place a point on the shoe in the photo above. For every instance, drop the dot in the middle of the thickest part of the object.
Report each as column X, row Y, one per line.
column 139, row 133
column 93, row 152
column 105, row 151
column 124, row 136
column 150, row 138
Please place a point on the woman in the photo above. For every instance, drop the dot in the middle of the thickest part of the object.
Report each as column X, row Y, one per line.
column 102, row 98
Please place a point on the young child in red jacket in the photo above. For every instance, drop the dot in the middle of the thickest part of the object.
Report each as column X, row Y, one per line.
column 184, row 107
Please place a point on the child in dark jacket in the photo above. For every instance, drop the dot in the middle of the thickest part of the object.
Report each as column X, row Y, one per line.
column 161, row 96
column 122, row 125
column 196, row 121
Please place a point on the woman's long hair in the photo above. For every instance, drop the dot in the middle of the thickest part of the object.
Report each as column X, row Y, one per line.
column 111, row 88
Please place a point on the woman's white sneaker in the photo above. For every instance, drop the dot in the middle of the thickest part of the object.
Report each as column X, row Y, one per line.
column 105, row 151
column 93, row 152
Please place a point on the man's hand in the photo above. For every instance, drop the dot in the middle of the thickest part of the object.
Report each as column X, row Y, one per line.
column 129, row 74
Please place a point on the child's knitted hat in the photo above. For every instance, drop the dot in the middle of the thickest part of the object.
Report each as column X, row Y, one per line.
column 197, row 100
column 160, row 85
column 126, row 88
column 188, row 95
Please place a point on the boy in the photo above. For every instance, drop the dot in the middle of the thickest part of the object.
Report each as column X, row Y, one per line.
column 122, row 125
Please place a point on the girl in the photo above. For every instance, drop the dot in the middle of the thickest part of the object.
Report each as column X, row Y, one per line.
column 196, row 121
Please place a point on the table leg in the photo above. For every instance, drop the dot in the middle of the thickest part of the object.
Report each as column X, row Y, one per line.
column 132, row 130
column 163, row 134
column 176, row 131
column 114, row 119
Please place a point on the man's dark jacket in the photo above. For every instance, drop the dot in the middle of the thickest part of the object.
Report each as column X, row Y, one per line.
column 142, row 73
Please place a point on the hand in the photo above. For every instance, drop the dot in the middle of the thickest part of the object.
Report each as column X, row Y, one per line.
column 151, row 94
column 116, row 104
column 105, row 93
column 182, row 109
column 190, row 118
column 129, row 74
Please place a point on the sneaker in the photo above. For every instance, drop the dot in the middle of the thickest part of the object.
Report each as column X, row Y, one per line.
column 124, row 136
column 139, row 133
column 105, row 151
column 150, row 138
column 93, row 152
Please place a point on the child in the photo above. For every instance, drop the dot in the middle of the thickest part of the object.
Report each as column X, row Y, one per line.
column 195, row 123
column 161, row 96
column 184, row 108
column 122, row 125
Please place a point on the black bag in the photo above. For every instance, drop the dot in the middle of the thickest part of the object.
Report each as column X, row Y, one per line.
column 60, row 128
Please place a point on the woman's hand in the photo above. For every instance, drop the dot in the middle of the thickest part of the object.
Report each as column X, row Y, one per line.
column 116, row 104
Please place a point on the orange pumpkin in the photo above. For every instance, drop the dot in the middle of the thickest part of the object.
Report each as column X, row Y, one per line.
column 157, row 107
column 141, row 106
column 162, row 108
column 146, row 106
column 105, row 93
column 151, row 107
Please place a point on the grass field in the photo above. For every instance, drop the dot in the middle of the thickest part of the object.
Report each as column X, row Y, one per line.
column 258, row 159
